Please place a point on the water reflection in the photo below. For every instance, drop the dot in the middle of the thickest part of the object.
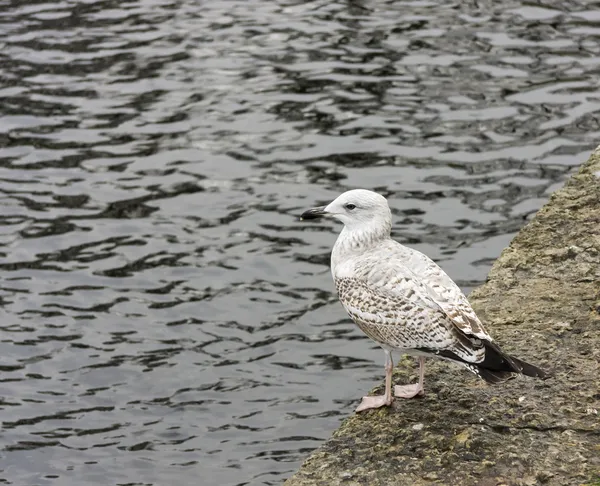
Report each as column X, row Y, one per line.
column 166, row 317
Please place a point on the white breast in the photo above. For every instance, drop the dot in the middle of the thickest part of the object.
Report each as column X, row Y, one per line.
column 342, row 257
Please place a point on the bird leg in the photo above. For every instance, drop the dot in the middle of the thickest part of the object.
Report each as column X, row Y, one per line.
column 410, row 391
column 385, row 399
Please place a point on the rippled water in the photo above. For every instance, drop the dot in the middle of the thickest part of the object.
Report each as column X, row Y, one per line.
column 166, row 317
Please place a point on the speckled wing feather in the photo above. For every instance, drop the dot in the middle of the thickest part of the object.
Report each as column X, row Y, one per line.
column 443, row 290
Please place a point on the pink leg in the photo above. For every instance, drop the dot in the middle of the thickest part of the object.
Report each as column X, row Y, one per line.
column 410, row 391
column 385, row 399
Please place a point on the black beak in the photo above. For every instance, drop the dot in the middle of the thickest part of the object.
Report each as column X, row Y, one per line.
column 313, row 213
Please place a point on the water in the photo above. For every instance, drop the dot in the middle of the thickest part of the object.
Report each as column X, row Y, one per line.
column 166, row 319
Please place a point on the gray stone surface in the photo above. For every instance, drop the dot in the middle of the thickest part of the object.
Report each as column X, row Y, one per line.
column 542, row 303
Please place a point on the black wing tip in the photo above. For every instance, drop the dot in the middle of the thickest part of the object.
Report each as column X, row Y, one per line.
column 497, row 366
column 498, row 360
column 496, row 376
column 525, row 368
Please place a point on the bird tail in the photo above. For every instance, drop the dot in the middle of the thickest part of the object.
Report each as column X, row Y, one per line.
column 498, row 366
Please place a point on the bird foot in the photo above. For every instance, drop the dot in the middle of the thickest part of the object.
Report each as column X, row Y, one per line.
column 374, row 402
column 408, row 391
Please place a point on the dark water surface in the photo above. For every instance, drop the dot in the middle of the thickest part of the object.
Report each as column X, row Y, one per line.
column 166, row 319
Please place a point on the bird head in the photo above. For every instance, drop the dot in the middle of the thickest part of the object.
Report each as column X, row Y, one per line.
column 357, row 209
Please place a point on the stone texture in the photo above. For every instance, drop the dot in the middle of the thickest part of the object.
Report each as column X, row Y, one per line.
column 541, row 302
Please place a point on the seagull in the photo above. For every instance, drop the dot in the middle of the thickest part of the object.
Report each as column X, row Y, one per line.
column 402, row 300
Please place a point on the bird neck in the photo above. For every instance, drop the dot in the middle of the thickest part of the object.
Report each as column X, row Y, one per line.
column 363, row 237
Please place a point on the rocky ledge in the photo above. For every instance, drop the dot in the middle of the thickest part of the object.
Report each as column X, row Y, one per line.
column 541, row 302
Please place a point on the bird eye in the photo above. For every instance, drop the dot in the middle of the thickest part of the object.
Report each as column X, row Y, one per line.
column 350, row 207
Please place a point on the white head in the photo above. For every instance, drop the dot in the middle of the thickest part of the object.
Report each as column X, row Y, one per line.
column 358, row 209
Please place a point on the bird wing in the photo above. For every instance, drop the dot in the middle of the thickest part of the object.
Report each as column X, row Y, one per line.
column 444, row 291
column 474, row 348
column 388, row 309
